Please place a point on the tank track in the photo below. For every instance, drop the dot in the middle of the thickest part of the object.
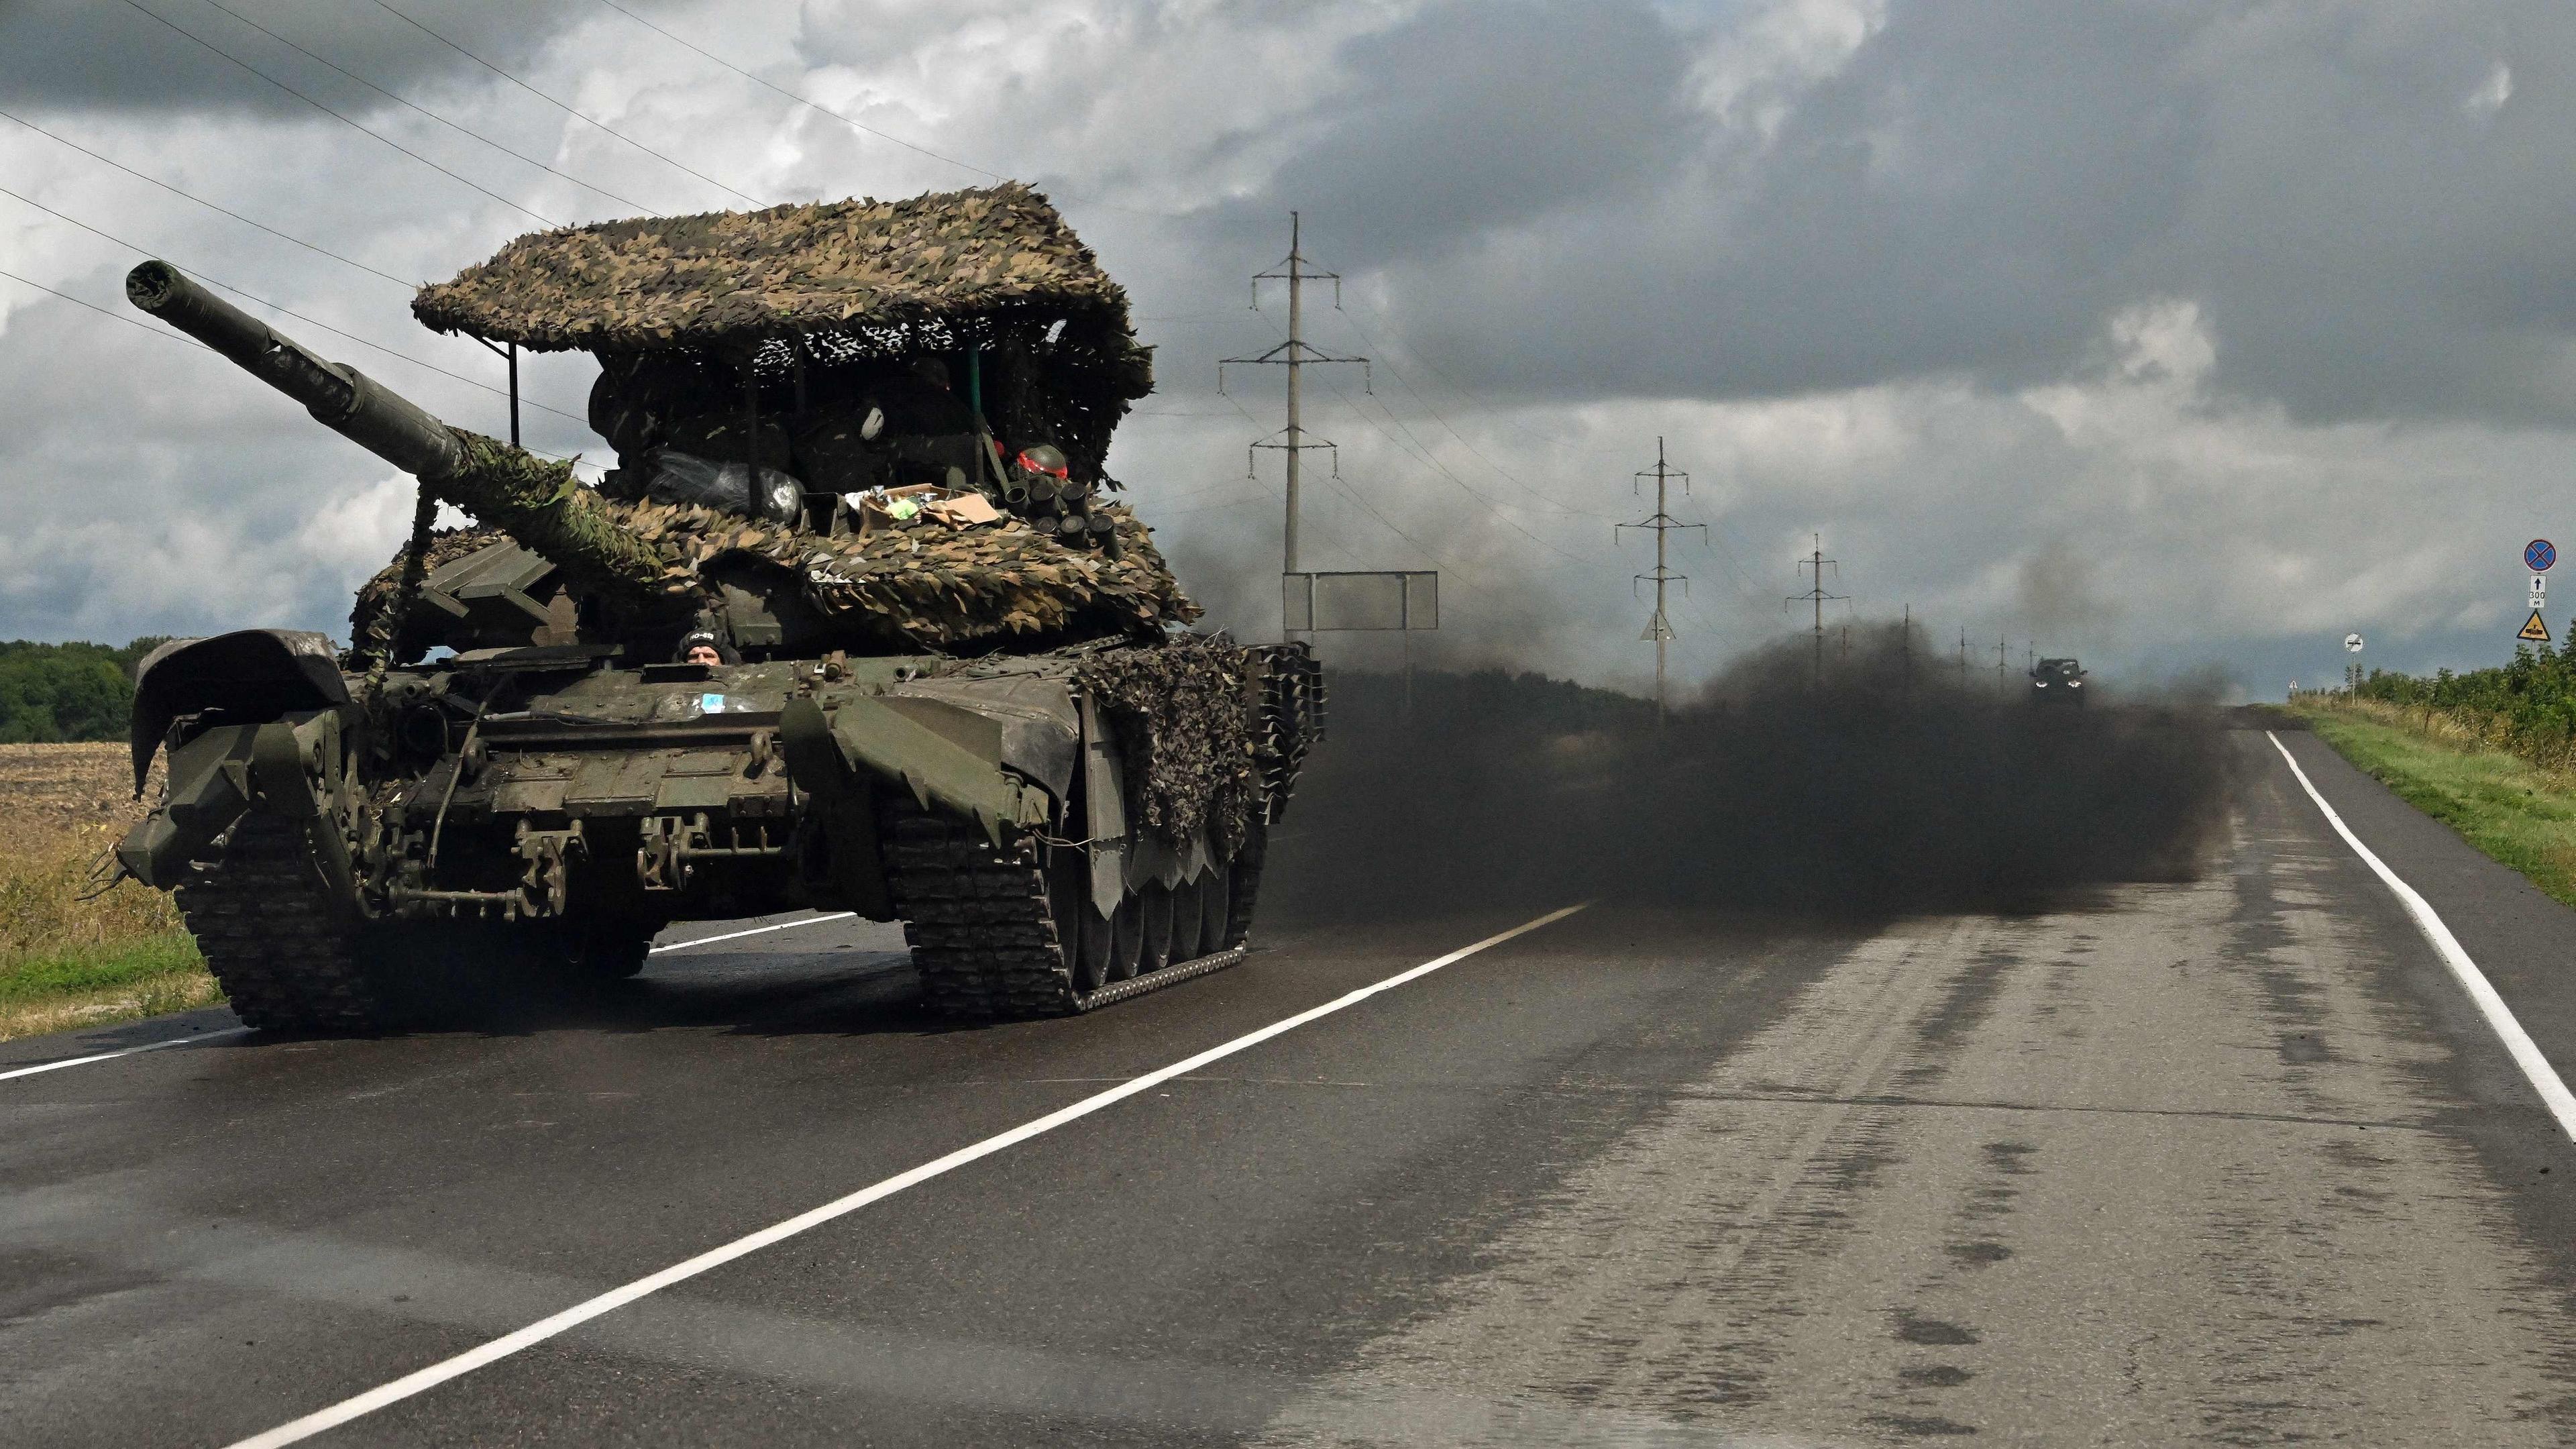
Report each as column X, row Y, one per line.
column 982, row 925
column 268, row 931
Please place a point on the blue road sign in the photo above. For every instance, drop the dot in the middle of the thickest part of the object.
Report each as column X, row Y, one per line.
column 2540, row 553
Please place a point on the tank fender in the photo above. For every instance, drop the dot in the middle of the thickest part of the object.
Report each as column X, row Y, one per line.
column 899, row 749
column 227, row 771
column 209, row 789
column 252, row 676
column 1026, row 721
column 845, row 800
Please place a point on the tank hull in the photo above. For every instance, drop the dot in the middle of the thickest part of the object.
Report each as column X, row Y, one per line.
column 1048, row 845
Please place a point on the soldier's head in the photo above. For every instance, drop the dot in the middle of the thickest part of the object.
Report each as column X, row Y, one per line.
column 701, row 647
column 932, row 371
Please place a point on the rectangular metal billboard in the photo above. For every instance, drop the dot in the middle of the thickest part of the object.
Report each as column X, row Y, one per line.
column 1353, row 600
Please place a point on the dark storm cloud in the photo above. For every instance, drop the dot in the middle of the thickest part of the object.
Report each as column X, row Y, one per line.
column 2365, row 198
column 1474, row 116
column 94, row 55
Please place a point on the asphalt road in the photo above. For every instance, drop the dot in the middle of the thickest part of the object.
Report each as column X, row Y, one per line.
column 2229, row 1161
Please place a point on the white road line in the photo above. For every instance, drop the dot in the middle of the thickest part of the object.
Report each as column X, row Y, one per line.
column 754, row 931
column 616, row 1298
column 238, row 1030
column 129, row 1051
column 2525, row 1052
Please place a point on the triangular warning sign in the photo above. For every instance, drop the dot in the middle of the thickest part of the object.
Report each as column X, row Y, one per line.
column 2534, row 631
column 1658, row 628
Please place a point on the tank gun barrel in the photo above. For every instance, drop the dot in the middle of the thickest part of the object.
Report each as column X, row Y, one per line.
column 338, row 396
column 535, row 500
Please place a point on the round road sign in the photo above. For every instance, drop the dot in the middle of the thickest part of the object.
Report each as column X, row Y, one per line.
column 2540, row 553
column 2352, row 642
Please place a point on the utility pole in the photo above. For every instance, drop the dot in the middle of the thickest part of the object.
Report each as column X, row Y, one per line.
column 1816, row 563
column 1292, row 354
column 1905, row 641
column 1659, row 628
column 1999, row 664
column 1963, row 660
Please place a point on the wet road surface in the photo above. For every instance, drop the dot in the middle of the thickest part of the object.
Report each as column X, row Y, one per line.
column 2225, row 1161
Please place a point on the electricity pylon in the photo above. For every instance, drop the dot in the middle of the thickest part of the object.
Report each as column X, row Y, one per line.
column 1292, row 354
column 1659, row 628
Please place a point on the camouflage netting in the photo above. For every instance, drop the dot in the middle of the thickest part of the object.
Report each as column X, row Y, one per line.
column 794, row 293
column 728, row 281
column 920, row 583
column 1185, row 717
column 926, row 584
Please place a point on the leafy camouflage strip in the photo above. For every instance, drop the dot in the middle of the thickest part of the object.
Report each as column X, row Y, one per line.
column 1185, row 717
column 537, row 501
column 725, row 279
column 921, row 584
column 924, row 583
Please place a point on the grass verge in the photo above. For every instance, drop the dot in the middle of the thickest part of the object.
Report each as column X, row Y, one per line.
column 71, row 957
column 104, row 985
column 2517, row 813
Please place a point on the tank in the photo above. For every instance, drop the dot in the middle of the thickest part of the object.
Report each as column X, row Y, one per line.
column 853, row 626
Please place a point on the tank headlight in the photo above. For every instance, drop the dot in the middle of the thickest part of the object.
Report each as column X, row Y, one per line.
column 2043, row 684
column 2075, row 684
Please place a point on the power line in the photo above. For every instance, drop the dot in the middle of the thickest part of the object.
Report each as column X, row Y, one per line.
column 1338, row 544
column 140, row 9
column 288, row 311
column 317, row 250
column 1463, row 439
column 560, row 105
column 811, row 105
column 423, row 110
column 1461, row 394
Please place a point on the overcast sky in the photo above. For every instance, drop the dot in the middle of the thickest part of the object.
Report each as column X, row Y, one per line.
column 2163, row 333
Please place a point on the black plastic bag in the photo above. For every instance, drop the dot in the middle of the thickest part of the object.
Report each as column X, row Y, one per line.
column 671, row 476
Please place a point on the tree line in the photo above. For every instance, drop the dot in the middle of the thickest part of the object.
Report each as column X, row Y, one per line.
column 2527, row 706
column 54, row 692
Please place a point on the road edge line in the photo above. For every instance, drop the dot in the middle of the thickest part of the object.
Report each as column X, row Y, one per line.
column 754, row 931
column 421, row 1380
column 2518, row 1044
column 150, row 1046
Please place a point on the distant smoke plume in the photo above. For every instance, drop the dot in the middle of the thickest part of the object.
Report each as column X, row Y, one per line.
column 2058, row 602
column 1889, row 784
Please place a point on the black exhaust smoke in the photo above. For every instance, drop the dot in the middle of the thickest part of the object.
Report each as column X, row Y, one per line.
column 1886, row 783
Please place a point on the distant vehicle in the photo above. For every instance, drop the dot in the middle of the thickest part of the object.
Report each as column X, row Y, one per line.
column 2057, row 683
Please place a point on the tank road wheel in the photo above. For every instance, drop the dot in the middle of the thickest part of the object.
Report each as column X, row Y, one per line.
column 1185, row 918
column 1154, row 902
column 1216, row 907
column 996, row 932
column 269, row 932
